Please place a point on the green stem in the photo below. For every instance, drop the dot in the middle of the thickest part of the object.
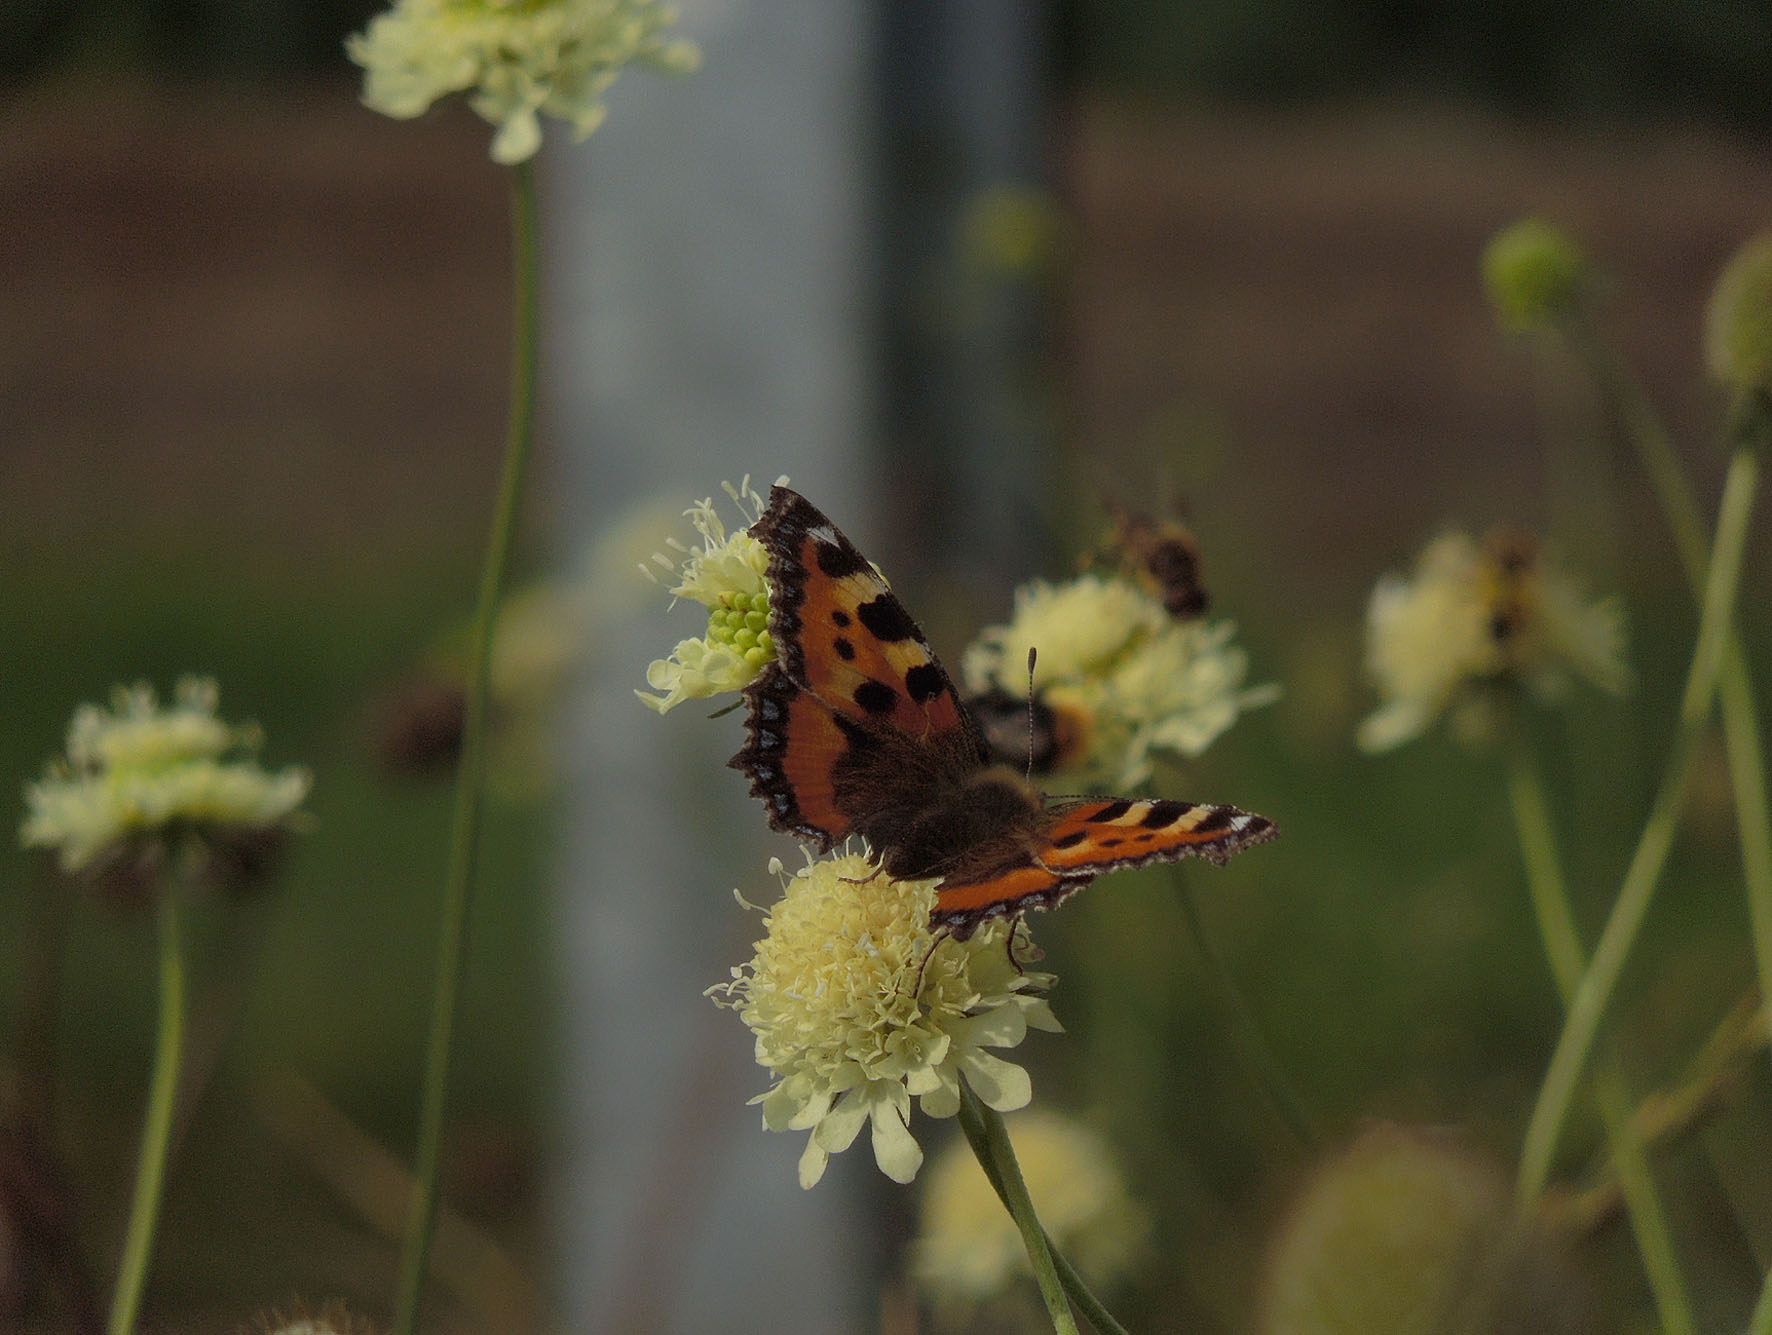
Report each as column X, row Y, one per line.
column 989, row 1139
column 1092, row 1308
column 1654, row 447
column 465, row 825
column 1247, row 1039
column 150, row 1173
column 1753, row 815
column 1562, row 945
column 1588, row 1005
column 1735, row 696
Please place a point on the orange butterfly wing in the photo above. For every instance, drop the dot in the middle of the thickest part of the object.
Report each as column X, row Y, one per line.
column 854, row 679
column 857, row 729
column 1079, row 840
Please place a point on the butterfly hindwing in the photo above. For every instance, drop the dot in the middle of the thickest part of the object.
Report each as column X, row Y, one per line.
column 792, row 749
column 1100, row 834
column 1078, row 840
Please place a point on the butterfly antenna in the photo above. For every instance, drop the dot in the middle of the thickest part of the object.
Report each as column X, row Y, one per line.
column 1032, row 652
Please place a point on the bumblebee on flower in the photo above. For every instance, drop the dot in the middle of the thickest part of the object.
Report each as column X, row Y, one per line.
column 1120, row 677
column 1475, row 616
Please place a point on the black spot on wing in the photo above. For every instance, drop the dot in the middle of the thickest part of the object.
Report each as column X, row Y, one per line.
column 876, row 697
column 886, row 618
column 845, row 650
column 839, row 618
column 924, row 682
column 1070, row 840
column 837, row 560
column 1113, row 810
column 1164, row 812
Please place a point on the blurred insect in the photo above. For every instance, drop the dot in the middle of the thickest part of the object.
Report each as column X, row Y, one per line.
column 1163, row 555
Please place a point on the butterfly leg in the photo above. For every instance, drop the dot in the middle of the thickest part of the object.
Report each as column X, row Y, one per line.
column 1019, row 942
column 863, row 880
column 941, row 934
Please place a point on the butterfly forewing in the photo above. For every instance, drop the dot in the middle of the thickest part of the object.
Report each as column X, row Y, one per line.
column 842, row 633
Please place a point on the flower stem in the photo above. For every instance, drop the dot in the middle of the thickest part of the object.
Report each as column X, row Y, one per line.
column 150, row 1173
column 1735, row 695
column 1588, row 1005
column 989, row 1139
column 465, row 824
column 1247, row 1039
column 1562, row 944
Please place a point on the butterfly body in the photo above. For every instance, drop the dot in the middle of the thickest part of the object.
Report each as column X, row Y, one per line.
column 856, row 729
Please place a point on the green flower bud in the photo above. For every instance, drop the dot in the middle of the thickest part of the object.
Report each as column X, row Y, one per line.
column 1535, row 275
column 1738, row 321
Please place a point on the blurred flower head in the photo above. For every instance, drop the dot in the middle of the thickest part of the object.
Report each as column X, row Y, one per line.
column 857, row 1007
column 1535, row 275
column 139, row 777
column 725, row 574
column 1738, row 320
column 1133, row 679
column 521, row 58
column 1405, row 1231
column 332, row 1319
column 968, row 1249
column 1476, row 615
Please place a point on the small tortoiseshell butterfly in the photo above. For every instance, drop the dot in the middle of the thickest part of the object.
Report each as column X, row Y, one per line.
column 856, row 729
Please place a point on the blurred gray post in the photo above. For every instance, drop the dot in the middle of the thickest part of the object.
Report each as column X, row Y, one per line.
column 716, row 309
column 710, row 319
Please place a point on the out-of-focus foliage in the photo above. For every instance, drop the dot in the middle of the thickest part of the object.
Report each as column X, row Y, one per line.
column 1708, row 60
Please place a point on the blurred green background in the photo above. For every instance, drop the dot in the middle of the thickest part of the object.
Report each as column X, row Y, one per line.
column 1271, row 308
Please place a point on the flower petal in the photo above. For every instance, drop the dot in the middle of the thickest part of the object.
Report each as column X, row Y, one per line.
column 1002, row 1085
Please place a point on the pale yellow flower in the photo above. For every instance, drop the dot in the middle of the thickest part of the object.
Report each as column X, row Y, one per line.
column 139, row 771
column 725, row 574
column 1473, row 615
column 521, row 58
column 1138, row 680
column 332, row 1319
column 857, row 1008
column 967, row 1247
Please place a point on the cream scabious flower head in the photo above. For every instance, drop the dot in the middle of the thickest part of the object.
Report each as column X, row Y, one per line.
column 522, row 58
column 725, row 574
column 139, row 773
column 1472, row 616
column 1134, row 679
column 857, row 1008
column 967, row 1247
